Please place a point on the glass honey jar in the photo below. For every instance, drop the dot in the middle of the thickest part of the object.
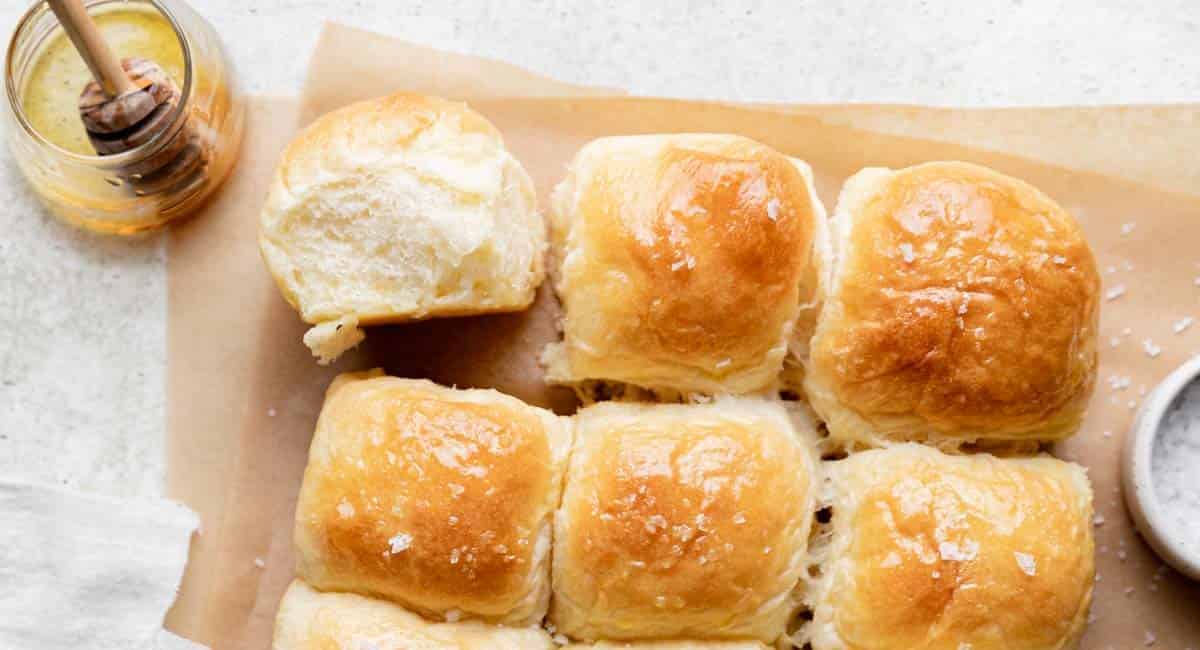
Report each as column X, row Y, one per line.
column 44, row 76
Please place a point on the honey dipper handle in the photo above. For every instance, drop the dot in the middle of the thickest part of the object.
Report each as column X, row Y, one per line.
column 105, row 66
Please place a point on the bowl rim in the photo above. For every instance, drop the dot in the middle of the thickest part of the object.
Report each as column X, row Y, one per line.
column 1137, row 475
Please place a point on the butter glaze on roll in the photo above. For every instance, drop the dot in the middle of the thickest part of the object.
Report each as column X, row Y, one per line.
column 683, row 263
column 397, row 209
column 963, row 306
column 438, row 499
column 311, row 620
column 683, row 522
column 936, row 552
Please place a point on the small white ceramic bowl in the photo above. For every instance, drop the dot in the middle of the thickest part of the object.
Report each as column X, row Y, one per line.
column 1137, row 473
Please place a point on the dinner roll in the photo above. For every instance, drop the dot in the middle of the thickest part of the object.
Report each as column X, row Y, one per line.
column 396, row 209
column 683, row 521
column 311, row 620
column 963, row 306
column 438, row 499
column 682, row 263
column 936, row 551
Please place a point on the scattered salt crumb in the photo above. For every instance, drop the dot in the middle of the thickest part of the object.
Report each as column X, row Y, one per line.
column 561, row 639
column 724, row 363
column 400, row 542
column 270, row 412
column 453, row 615
column 1121, row 555
column 1129, row 591
column 1115, row 292
column 1059, row 259
column 906, row 250
column 1150, row 638
column 773, row 209
column 258, row 562
column 1114, row 341
column 1182, row 324
column 1152, row 349
column 1099, row 577
column 1107, row 434
column 1027, row 563
column 1127, row 228
column 950, row 551
column 1117, row 382
column 936, row 575
column 1098, row 520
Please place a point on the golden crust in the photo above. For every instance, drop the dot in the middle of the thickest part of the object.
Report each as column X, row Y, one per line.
column 682, row 522
column 964, row 306
column 436, row 498
column 934, row 552
column 375, row 124
column 681, row 259
column 311, row 620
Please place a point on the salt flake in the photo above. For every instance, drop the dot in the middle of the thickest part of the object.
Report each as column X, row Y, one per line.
column 1027, row 563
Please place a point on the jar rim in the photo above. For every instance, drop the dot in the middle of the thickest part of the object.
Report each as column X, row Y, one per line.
column 114, row 161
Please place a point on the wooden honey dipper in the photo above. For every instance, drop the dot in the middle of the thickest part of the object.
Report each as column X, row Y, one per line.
column 127, row 104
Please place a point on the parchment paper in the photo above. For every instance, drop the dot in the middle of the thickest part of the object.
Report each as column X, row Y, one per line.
column 244, row 391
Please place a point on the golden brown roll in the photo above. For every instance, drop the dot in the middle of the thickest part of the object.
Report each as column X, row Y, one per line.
column 438, row 499
column 396, row 209
column 938, row 552
column 682, row 521
column 963, row 305
column 311, row 620
column 681, row 262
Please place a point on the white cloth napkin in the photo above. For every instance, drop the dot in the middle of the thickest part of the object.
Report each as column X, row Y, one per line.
column 83, row 571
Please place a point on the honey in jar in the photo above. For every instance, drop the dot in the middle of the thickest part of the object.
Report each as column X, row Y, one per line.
column 45, row 76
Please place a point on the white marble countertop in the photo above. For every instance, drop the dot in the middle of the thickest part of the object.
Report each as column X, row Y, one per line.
column 83, row 317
